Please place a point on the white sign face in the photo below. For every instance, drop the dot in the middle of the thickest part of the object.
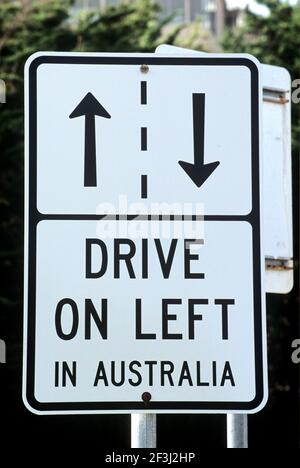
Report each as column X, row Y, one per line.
column 277, row 173
column 156, row 313
column 142, row 125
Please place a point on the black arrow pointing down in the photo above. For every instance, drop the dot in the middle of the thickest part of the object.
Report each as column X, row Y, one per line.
column 198, row 171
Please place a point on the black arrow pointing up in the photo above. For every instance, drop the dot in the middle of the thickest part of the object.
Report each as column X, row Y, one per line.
column 90, row 107
column 198, row 171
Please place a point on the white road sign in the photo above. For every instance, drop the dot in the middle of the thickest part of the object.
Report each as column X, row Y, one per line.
column 143, row 261
column 277, row 172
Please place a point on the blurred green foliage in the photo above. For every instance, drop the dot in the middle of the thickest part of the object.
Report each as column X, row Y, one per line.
column 28, row 27
column 273, row 39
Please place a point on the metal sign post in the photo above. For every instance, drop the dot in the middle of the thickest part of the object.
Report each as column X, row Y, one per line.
column 143, row 430
column 144, row 435
column 237, row 431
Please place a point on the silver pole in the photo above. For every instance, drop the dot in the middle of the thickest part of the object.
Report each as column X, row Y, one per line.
column 102, row 4
column 187, row 11
column 237, row 431
column 143, row 431
column 220, row 17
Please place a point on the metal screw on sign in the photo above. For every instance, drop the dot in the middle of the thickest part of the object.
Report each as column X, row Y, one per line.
column 144, row 68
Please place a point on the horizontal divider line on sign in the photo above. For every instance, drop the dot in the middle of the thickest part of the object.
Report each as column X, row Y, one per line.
column 131, row 217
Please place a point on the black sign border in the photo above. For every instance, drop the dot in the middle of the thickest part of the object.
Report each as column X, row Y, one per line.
column 34, row 217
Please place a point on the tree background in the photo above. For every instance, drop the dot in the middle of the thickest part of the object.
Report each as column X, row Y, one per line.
column 275, row 40
column 135, row 26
